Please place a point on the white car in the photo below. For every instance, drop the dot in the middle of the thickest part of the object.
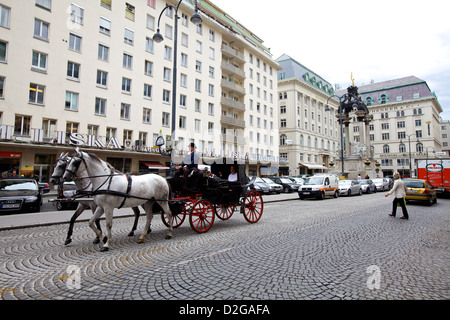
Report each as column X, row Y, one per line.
column 349, row 187
column 275, row 187
column 382, row 184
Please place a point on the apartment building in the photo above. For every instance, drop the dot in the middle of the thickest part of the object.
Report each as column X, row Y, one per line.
column 87, row 73
column 405, row 123
column 445, row 136
column 309, row 134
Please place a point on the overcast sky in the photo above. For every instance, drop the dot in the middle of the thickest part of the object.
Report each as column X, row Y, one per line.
column 376, row 40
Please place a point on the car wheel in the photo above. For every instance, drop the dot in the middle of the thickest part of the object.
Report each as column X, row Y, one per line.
column 428, row 202
column 360, row 192
column 336, row 194
column 349, row 193
column 286, row 190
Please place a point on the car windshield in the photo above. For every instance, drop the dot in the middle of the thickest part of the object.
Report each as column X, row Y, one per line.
column 285, row 180
column 414, row 184
column 258, row 179
column 312, row 181
column 345, row 182
column 268, row 180
column 378, row 180
column 18, row 185
column 69, row 186
column 364, row 182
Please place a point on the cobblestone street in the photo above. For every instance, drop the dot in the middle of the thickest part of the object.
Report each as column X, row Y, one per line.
column 298, row 250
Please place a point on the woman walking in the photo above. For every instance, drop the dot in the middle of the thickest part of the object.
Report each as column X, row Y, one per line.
column 399, row 191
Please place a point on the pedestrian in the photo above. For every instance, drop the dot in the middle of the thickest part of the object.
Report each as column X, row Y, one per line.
column 233, row 176
column 399, row 191
column 359, row 177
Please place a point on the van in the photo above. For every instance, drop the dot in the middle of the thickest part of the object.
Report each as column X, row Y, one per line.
column 319, row 187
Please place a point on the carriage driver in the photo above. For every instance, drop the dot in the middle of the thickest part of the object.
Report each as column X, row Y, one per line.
column 189, row 164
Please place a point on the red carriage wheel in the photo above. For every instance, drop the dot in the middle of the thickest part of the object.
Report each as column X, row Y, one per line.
column 202, row 216
column 224, row 212
column 253, row 206
column 178, row 219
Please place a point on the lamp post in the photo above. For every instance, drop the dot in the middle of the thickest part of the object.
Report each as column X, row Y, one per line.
column 409, row 145
column 195, row 19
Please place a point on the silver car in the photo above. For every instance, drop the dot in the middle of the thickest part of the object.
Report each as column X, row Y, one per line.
column 382, row 184
column 349, row 187
column 274, row 187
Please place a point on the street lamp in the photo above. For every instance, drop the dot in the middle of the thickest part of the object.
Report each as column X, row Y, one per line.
column 409, row 145
column 157, row 37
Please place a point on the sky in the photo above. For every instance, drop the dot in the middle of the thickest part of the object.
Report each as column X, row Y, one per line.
column 375, row 40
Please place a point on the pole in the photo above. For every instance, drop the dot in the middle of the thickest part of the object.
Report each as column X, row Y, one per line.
column 174, row 76
column 342, row 139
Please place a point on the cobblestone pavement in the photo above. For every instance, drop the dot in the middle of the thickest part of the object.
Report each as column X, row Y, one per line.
column 298, row 250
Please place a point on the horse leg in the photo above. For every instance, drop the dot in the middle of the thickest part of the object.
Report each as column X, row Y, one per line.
column 149, row 214
column 92, row 222
column 97, row 222
column 136, row 219
column 109, row 221
column 80, row 208
column 165, row 206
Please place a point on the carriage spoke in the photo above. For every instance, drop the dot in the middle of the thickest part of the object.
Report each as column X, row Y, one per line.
column 253, row 206
column 202, row 216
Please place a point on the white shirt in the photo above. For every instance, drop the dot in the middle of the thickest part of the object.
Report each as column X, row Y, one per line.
column 232, row 177
column 398, row 189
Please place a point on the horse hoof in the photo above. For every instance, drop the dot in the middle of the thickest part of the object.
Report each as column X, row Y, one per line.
column 67, row 241
column 168, row 237
column 131, row 234
column 149, row 230
column 96, row 240
column 140, row 241
column 105, row 239
column 104, row 249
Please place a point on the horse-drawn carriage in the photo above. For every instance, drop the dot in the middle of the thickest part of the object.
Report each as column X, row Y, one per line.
column 201, row 197
column 206, row 195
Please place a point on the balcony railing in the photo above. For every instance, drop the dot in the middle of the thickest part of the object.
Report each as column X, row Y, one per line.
column 233, row 69
column 233, row 86
column 233, row 139
column 229, row 52
column 232, row 104
column 232, row 121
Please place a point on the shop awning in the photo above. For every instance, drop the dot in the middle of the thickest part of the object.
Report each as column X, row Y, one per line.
column 155, row 165
column 313, row 166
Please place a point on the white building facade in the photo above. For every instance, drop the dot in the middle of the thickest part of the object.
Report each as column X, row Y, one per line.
column 87, row 73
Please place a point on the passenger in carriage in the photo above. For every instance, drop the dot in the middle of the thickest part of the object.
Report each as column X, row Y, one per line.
column 189, row 164
column 233, row 176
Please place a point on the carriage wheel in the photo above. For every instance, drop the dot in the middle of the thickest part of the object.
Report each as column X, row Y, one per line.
column 224, row 212
column 253, row 206
column 177, row 219
column 202, row 216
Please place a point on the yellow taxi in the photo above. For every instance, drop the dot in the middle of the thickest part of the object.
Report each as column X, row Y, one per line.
column 420, row 190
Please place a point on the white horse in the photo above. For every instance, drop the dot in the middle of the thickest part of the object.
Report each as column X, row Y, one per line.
column 82, row 183
column 115, row 190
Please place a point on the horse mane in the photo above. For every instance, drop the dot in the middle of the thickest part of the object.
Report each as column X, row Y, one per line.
column 96, row 158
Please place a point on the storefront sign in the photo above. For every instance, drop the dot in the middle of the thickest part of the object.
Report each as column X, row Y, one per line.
column 10, row 154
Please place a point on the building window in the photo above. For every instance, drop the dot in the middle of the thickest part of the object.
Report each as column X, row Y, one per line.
column 128, row 37
column 210, row 127
column 166, row 74
column 385, row 148
column 149, row 45
column 4, row 16
column 36, row 93
column 167, row 53
column 283, row 123
column 39, row 61
column 22, row 125
column 3, row 50
column 369, row 101
column 127, row 61
column 74, row 42
column 147, row 90
column 76, row 13
column 384, row 99
column 401, row 124
column 126, row 85
column 166, row 96
column 105, row 26
column 2, row 86
column 183, row 99
column 283, row 139
column 419, row 147
column 46, row 4
column 182, row 122
column 198, row 125
column 49, row 127
column 198, row 85
column 100, row 107
column 148, row 68
column 419, row 133
column 385, row 136
column 73, row 70
column 402, row 148
column 71, row 101
column 41, row 29
column 129, row 11
column 165, row 119
column 125, row 111
column 147, row 116
column 106, row 3
column 103, row 52
column 102, row 77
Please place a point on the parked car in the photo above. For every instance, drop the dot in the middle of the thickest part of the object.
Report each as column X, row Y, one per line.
column 367, row 186
column 44, row 187
column 66, row 191
column 381, row 183
column 288, row 185
column 420, row 190
column 259, row 185
column 390, row 181
column 349, row 187
column 275, row 187
column 319, row 187
column 20, row 195
column 298, row 181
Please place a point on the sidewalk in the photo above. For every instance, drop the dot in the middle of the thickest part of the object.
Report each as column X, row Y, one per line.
column 25, row 220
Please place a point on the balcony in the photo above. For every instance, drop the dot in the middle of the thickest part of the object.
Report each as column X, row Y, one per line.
column 232, row 122
column 232, row 104
column 233, row 86
column 233, row 70
column 231, row 53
